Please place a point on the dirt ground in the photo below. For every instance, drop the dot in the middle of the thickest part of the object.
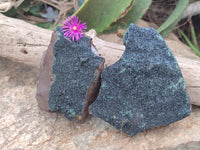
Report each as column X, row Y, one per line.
column 25, row 126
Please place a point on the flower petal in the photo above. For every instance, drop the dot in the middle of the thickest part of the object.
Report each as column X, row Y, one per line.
column 68, row 26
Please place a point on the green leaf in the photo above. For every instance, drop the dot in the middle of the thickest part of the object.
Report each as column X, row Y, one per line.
column 169, row 29
column 11, row 13
column 173, row 19
column 99, row 14
column 36, row 10
column 193, row 35
column 190, row 43
column 136, row 12
column 47, row 25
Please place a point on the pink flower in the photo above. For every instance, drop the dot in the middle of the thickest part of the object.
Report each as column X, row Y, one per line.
column 73, row 28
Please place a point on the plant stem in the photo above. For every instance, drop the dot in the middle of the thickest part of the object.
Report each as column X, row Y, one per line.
column 190, row 43
column 194, row 39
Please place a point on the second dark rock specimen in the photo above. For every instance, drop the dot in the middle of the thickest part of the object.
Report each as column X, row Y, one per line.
column 145, row 88
column 73, row 69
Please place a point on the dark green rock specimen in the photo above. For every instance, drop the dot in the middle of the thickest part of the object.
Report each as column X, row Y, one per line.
column 145, row 88
column 73, row 69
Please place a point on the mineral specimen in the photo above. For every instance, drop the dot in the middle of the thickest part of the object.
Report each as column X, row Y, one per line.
column 145, row 88
column 74, row 71
column 45, row 76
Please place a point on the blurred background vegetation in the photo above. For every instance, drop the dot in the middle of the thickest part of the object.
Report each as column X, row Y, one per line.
column 107, row 16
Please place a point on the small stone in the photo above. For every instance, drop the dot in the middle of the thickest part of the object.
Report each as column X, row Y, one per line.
column 145, row 88
column 74, row 71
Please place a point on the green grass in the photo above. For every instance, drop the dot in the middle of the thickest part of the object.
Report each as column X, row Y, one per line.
column 193, row 46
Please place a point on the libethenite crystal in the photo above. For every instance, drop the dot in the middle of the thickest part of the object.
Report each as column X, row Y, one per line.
column 145, row 88
column 73, row 70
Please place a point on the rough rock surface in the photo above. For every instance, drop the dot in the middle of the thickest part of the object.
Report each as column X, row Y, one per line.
column 73, row 69
column 23, row 125
column 145, row 88
column 45, row 77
